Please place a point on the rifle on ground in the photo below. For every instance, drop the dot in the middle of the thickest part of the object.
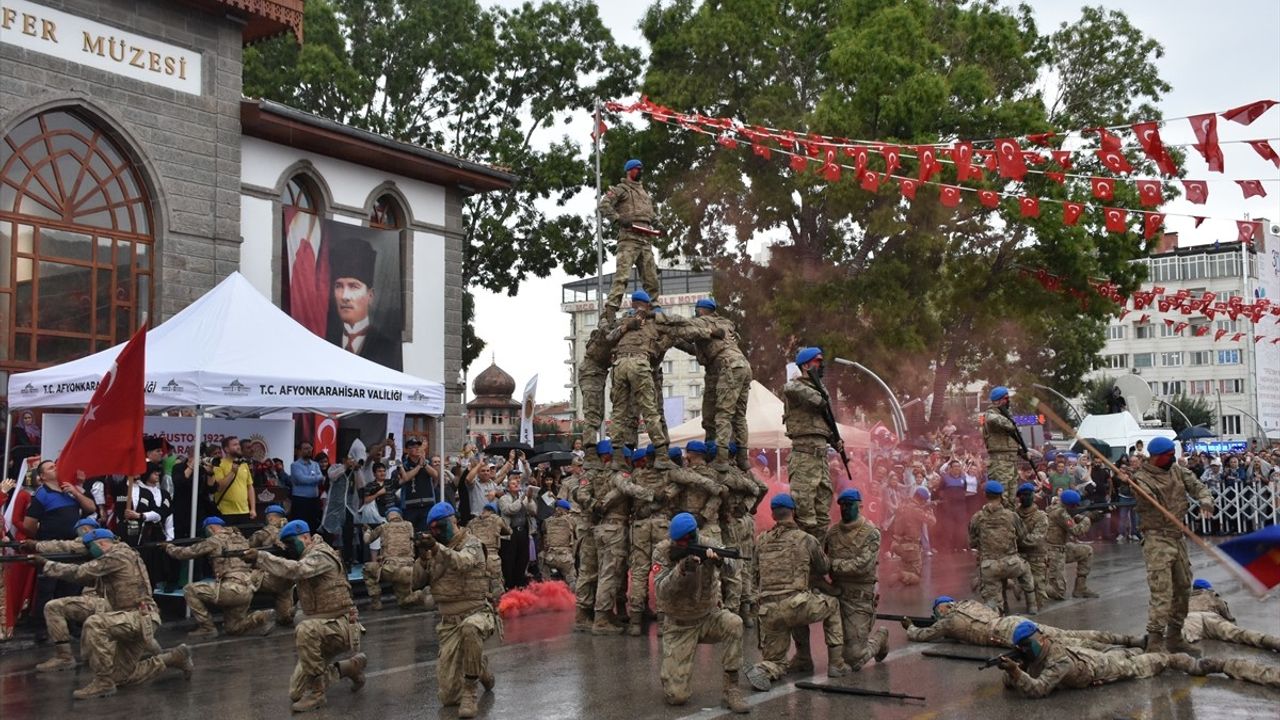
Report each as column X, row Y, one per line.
column 915, row 619
column 680, row 552
column 842, row 690
column 52, row 557
column 1023, row 452
column 956, row 656
column 828, row 414
column 1013, row 654
column 1101, row 507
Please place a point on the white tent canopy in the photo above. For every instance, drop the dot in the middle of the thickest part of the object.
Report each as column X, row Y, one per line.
column 765, row 428
column 236, row 354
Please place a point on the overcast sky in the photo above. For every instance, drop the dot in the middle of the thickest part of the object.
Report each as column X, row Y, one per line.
column 1217, row 55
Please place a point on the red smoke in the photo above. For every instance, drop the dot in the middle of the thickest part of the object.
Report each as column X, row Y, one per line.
column 538, row 597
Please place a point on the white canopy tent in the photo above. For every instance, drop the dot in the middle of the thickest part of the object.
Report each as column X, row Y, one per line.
column 765, row 428
column 234, row 354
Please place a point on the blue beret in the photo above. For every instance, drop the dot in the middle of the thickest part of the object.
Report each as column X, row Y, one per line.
column 641, row 296
column 999, row 392
column 274, row 509
column 1025, row 629
column 213, row 520
column 90, row 521
column 1202, row 584
column 807, row 354
column 681, row 525
column 294, row 528
column 675, row 453
column 942, row 599
column 922, row 493
column 706, row 303
column 733, row 448
column 491, row 506
column 562, row 503
column 650, row 450
column 1070, row 497
column 97, row 534
column 1026, row 487
column 604, row 447
column 782, row 500
column 1160, row 446
column 849, row 496
column 993, row 488
column 395, row 509
column 632, row 164
column 696, row 446
column 712, row 450
column 440, row 510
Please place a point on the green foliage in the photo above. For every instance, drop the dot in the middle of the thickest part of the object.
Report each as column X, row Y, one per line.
column 1095, row 393
column 1197, row 409
column 928, row 297
column 478, row 82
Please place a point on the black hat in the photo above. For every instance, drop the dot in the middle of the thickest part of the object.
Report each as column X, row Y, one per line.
column 352, row 258
column 412, row 442
column 152, row 442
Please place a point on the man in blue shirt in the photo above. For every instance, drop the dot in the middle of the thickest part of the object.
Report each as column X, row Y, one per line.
column 304, row 480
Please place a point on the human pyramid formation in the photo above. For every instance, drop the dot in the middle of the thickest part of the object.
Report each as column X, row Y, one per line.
column 689, row 513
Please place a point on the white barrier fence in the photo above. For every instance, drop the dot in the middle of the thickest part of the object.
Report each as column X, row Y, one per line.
column 1238, row 508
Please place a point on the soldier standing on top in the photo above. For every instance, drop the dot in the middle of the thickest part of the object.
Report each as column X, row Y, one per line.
column 805, row 418
column 637, row 340
column 593, row 372
column 727, row 384
column 1004, row 443
column 629, row 205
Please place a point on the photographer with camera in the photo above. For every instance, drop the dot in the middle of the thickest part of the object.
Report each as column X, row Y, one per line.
column 415, row 481
column 231, row 482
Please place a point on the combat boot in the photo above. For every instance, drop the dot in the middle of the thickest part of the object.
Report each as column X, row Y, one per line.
column 312, row 698
column 353, row 669
column 882, row 644
column 1271, row 642
column 743, row 459
column 661, row 460
column 467, row 707
column 1155, row 643
column 266, row 620
column 99, row 688
column 602, row 626
column 634, row 621
column 1081, row 589
column 802, row 661
column 203, row 631
column 179, row 659
column 428, row 600
column 758, row 678
column 748, row 615
column 62, row 659
column 721, row 463
column 487, row 679
column 1209, row 666
column 375, row 602
column 733, row 694
column 836, row 666
column 582, row 620
column 1175, row 643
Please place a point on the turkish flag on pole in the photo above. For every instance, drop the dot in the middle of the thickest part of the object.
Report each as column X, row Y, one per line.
column 600, row 128
column 108, row 438
column 1029, row 206
column 1246, row 114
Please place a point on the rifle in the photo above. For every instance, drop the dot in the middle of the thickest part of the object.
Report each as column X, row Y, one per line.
column 915, row 619
column 956, row 656
column 52, row 557
column 1101, row 507
column 828, row 414
column 261, row 551
column 180, row 542
column 680, row 552
column 840, row 689
column 1013, row 654
column 9, row 544
column 1023, row 452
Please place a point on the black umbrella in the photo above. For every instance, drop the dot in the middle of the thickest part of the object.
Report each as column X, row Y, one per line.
column 550, row 446
column 1098, row 445
column 557, row 458
column 503, row 447
column 1195, row 432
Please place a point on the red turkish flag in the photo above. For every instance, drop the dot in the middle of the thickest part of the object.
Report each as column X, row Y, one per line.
column 1246, row 230
column 928, row 156
column 1217, row 335
column 1117, row 220
column 1122, row 314
column 871, row 181
column 762, row 150
column 989, row 198
column 962, row 154
column 1109, row 140
column 1177, row 329
column 1149, row 193
column 1246, row 114
column 831, row 168
column 1029, row 206
column 1206, row 130
column 1199, row 219
column 1236, row 337
column 1265, row 150
column 1163, row 306
column 907, row 187
column 1071, row 212
column 108, row 438
column 1114, row 160
column 799, row 163
column 1063, row 158
column 949, row 196
column 1149, row 138
column 1009, row 159
column 1256, row 338
column 1151, row 224
column 1197, row 191
column 1202, row 331
column 891, row 162
column 1057, row 177
column 600, row 128
column 727, row 141
column 859, row 155
column 1167, row 321
column 1041, row 139
column 1103, row 188
column 1252, row 188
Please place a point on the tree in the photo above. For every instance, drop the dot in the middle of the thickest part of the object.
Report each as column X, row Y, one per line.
column 1197, row 410
column 927, row 296
column 486, row 84
column 1095, row 394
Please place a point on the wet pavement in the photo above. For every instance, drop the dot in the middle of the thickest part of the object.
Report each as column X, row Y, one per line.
column 546, row 671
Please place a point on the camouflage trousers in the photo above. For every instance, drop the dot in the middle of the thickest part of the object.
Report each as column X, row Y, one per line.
column 1168, row 579
column 281, row 591
column 77, row 608
column 645, row 536
column 1252, row 671
column 1100, row 640
column 493, row 567
column 857, row 613
column 1039, row 564
column 591, row 381
column 633, row 252
column 588, row 564
column 399, row 572
column 724, row 403
column 738, row 589
column 1208, row 626
column 462, row 656
column 681, row 638
column 810, row 488
column 993, row 572
column 779, row 619
column 1058, row 557
column 232, row 597
column 320, row 641
column 560, row 560
column 1003, row 468
column 1114, row 666
column 633, row 393
column 910, row 561
column 120, row 646
column 611, row 554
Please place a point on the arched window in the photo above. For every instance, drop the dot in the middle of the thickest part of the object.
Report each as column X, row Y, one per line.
column 76, row 242
column 389, row 214
column 306, row 293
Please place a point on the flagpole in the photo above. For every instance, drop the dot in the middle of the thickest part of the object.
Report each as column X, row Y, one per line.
column 197, row 446
column 8, row 442
column 595, row 136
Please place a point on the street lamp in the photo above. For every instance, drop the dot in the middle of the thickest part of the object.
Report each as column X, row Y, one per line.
column 895, row 410
column 1255, row 422
column 1063, row 398
column 1168, row 404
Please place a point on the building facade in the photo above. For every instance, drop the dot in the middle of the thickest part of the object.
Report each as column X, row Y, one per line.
column 1241, row 379
column 493, row 414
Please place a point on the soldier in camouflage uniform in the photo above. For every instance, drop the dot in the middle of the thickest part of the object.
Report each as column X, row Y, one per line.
column 973, row 623
column 1210, row 618
column 997, row 533
column 613, row 503
column 461, row 587
column 853, row 545
column 75, row 608
column 560, row 538
column 727, row 383
column 1062, row 528
column 907, row 531
column 593, row 372
column 588, row 561
column 688, row 595
column 628, row 204
column 638, row 342
column 738, row 527
column 649, row 523
column 395, row 562
column 1034, row 551
column 788, row 559
column 279, row 588
column 119, row 642
column 329, row 626
column 489, row 528
column 231, row 589
column 810, row 435
column 1163, row 549
column 1001, row 436
column 700, row 492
